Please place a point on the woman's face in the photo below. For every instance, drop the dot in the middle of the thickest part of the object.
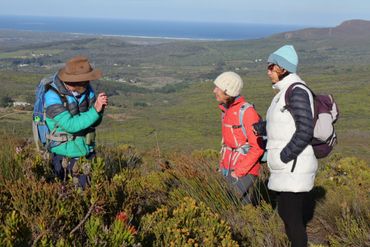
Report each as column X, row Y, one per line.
column 274, row 72
column 220, row 95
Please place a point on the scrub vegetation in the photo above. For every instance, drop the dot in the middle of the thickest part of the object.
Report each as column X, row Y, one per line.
column 155, row 182
column 173, row 200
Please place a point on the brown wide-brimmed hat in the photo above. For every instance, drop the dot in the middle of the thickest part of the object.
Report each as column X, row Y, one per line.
column 78, row 69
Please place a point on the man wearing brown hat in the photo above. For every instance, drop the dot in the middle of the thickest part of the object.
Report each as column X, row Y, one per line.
column 72, row 113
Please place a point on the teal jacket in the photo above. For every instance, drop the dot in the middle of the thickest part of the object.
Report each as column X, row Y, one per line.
column 71, row 117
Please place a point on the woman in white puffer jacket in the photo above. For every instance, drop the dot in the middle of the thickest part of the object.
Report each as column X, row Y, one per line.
column 290, row 157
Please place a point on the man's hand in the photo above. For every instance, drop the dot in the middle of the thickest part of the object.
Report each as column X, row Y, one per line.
column 101, row 102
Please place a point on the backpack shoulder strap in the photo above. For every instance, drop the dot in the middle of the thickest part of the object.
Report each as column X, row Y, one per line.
column 288, row 94
column 242, row 110
column 63, row 97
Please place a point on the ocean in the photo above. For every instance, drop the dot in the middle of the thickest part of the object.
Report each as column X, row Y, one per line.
column 144, row 28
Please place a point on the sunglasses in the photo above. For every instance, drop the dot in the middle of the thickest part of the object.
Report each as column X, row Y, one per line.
column 78, row 84
column 270, row 66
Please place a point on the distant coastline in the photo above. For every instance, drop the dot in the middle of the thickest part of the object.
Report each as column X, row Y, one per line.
column 144, row 28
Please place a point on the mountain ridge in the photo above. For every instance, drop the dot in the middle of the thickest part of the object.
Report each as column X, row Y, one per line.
column 349, row 29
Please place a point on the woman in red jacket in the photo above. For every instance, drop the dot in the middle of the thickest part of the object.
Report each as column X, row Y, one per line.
column 240, row 146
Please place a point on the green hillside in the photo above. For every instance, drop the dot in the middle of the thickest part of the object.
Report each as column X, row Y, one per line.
column 161, row 91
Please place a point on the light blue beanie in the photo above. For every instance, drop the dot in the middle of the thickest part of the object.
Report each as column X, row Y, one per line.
column 286, row 57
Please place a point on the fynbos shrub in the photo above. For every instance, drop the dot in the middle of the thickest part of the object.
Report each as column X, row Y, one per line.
column 188, row 224
column 119, row 233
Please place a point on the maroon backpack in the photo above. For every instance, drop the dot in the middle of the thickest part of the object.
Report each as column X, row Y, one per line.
column 326, row 113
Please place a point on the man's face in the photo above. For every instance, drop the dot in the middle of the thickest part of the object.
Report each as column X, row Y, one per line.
column 79, row 87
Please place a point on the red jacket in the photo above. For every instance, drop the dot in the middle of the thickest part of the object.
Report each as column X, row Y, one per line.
column 233, row 138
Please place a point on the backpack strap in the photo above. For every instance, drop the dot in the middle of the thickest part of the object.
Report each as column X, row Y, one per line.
column 63, row 97
column 288, row 95
column 60, row 137
column 243, row 108
column 289, row 91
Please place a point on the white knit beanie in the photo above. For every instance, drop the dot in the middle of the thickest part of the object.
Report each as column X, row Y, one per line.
column 230, row 82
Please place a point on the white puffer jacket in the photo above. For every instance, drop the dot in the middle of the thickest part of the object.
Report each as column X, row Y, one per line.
column 280, row 128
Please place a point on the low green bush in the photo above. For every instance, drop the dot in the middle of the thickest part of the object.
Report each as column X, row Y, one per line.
column 258, row 226
column 188, row 224
column 345, row 212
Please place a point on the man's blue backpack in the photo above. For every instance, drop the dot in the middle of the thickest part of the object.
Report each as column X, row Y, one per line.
column 41, row 132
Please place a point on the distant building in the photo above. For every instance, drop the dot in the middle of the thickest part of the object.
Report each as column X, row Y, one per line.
column 20, row 103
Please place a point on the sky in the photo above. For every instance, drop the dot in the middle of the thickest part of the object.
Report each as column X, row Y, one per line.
column 291, row 12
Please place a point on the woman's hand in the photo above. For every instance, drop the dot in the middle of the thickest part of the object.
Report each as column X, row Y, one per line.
column 259, row 129
column 234, row 175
